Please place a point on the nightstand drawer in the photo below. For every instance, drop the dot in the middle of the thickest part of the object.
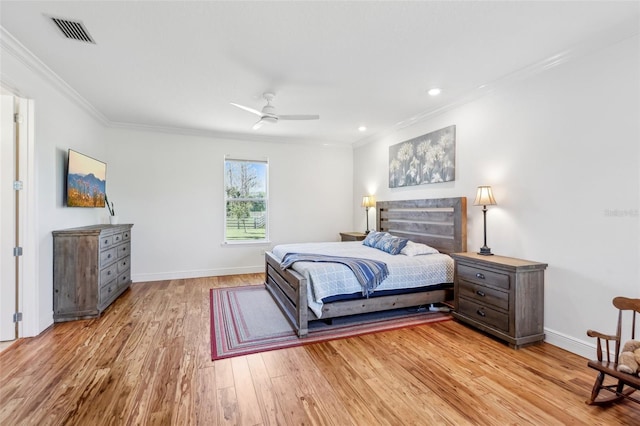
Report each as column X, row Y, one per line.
column 483, row 276
column 484, row 314
column 483, row 295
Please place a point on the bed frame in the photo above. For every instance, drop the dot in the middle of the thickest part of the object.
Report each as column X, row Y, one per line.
column 440, row 223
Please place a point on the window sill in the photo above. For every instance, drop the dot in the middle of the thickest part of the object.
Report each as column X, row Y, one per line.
column 246, row 243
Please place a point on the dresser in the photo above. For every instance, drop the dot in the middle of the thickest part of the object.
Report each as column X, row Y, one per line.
column 91, row 268
column 502, row 296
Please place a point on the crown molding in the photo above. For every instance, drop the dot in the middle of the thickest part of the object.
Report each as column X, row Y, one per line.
column 10, row 45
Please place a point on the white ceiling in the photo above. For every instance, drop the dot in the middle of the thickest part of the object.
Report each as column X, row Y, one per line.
column 177, row 65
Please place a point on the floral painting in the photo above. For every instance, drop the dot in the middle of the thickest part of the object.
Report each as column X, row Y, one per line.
column 429, row 158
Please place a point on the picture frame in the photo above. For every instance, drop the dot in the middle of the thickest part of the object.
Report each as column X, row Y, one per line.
column 427, row 159
column 86, row 181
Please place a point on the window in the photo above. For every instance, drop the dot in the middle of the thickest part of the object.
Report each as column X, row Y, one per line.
column 246, row 200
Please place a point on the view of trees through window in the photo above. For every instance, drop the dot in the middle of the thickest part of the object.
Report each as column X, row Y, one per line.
column 245, row 186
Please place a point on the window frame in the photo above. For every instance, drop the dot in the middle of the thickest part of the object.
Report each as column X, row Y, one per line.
column 265, row 199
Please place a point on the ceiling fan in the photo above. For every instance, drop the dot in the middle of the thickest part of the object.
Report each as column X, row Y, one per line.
column 268, row 113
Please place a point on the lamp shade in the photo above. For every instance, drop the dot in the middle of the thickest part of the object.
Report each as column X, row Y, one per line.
column 484, row 197
column 368, row 201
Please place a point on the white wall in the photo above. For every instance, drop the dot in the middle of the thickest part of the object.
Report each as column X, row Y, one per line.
column 171, row 188
column 60, row 124
column 561, row 151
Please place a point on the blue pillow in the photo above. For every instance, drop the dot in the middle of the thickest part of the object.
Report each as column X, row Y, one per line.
column 372, row 238
column 390, row 244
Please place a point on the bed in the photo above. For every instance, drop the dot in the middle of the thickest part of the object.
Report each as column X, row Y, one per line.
column 439, row 223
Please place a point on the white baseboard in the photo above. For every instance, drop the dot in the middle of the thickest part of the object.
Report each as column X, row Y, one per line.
column 571, row 344
column 161, row 276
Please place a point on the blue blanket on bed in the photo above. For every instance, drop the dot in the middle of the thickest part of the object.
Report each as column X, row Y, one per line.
column 370, row 273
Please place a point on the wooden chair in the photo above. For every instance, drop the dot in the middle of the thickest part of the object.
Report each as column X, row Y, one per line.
column 623, row 384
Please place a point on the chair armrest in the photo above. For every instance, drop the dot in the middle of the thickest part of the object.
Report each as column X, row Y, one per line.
column 606, row 338
column 593, row 333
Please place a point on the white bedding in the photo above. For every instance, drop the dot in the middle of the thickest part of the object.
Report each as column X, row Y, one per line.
column 331, row 279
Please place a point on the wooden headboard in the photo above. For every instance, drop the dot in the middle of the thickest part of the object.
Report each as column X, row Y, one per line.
column 440, row 222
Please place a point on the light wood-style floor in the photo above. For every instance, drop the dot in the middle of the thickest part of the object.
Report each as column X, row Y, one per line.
column 147, row 361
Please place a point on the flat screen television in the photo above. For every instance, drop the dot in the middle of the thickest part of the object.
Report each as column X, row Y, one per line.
column 86, row 181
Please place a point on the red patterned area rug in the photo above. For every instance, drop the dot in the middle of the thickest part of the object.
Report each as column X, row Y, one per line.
column 246, row 320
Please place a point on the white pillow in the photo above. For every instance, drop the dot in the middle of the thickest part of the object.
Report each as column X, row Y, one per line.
column 416, row 249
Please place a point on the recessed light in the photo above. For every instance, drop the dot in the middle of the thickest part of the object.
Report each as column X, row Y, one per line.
column 362, row 128
column 434, row 92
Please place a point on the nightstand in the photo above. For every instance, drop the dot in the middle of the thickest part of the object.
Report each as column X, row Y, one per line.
column 352, row 236
column 501, row 296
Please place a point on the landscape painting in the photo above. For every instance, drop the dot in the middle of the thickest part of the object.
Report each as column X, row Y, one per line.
column 426, row 159
column 86, row 181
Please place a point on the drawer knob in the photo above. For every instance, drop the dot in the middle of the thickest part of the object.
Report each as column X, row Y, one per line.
column 108, row 272
column 109, row 256
column 479, row 275
column 481, row 313
column 480, row 293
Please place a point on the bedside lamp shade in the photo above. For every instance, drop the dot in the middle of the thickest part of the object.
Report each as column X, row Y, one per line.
column 484, row 198
column 367, row 202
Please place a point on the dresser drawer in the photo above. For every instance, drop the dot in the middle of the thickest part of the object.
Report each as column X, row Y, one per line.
column 108, row 274
column 107, row 291
column 123, row 264
column 484, row 314
column 483, row 295
column 106, row 241
column 126, row 236
column 117, row 238
column 123, row 250
column 483, row 276
column 107, row 256
column 124, row 278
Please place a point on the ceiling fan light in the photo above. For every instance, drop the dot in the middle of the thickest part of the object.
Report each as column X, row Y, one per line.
column 269, row 119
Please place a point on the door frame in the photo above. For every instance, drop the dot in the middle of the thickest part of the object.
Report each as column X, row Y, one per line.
column 28, row 301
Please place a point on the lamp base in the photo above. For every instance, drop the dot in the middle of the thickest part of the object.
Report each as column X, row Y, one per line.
column 485, row 251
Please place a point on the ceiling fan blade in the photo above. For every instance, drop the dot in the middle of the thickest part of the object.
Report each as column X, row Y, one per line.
column 251, row 110
column 258, row 124
column 299, row 117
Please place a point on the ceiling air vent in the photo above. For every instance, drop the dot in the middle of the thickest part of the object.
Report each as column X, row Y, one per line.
column 73, row 30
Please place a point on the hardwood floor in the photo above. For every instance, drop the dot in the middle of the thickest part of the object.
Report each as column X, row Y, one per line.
column 147, row 361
